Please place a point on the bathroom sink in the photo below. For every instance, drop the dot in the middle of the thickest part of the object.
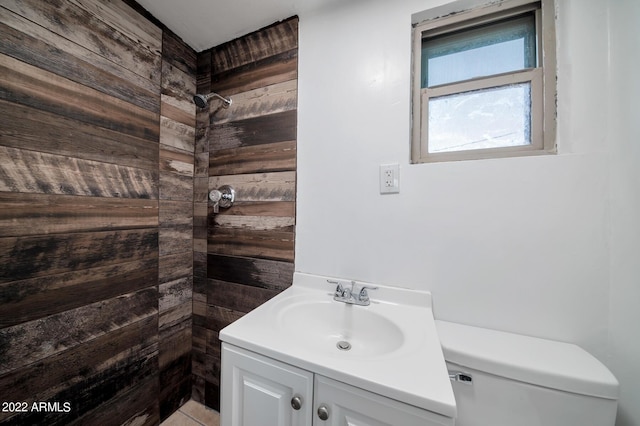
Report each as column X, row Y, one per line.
column 389, row 347
column 339, row 329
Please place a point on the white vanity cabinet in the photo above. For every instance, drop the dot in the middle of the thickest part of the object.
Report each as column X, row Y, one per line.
column 260, row 391
column 350, row 406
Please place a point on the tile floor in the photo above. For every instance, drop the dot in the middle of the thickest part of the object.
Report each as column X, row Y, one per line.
column 193, row 413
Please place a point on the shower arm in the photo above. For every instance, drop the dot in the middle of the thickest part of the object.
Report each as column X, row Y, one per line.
column 202, row 101
column 222, row 98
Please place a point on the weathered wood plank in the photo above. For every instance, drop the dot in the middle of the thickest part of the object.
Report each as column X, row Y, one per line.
column 34, row 172
column 88, row 30
column 31, row 299
column 278, row 127
column 89, row 374
column 32, row 214
column 31, row 129
column 272, row 157
column 256, row 223
column 176, row 83
column 175, row 239
column 268, row 71
column 203, row 130
column 200, row 240
column 138, row 406
column 198, row 365
column 267, row 99
column 216, row 319
column 180, row 110
column 276, row 186
column 200, row 212
column 198, row 389
column 177, row 139
column 176, row 187
column 175, row 385
column 198, row 339
column 261, row 244
column 212, row 392
column 31, row 86
column 199, row 265
column 176, row 161
column 203, row 75
column 212, row 368
column 214, row 344
column 175, row 342
column 175, row 295
column 29, row 342
column 201, row 164
column 201, row 190
column 175, row 357
column 176, row 266
column 98, row 74
column 177, row 135
column 237, row 297
column 125, row 20
column 86, row 394
column 269, row 41
column 179, row 54
column 30, row 257
column 176, row 213
column 275, row 209
column 200, row 312
column 269, row 274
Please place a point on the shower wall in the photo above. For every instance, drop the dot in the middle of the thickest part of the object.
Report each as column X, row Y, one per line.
column 96, row 148
column 243, row 255
column 175, row 278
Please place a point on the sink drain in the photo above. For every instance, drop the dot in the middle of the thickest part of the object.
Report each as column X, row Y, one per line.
column 343, row 345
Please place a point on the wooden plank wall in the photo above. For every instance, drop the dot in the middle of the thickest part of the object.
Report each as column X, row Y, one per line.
column 95, row 217
column 177, row 143
column 243, row 255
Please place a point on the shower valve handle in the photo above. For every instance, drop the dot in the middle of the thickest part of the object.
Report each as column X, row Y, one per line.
column 222, row 197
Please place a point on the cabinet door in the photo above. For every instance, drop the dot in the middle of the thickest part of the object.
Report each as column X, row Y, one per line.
column 350, row 406
column 258, row 391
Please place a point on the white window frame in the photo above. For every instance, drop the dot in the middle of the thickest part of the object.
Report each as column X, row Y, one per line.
column 542, row 78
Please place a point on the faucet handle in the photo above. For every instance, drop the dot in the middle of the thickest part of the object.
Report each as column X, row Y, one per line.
column 363, row 296
column 214, row 197
column 339, row 288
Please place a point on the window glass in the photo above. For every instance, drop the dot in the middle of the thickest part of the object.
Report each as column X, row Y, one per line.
column 490, row 49
column 487, row 118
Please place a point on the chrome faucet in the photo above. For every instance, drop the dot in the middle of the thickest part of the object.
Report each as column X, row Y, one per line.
column 348, row 295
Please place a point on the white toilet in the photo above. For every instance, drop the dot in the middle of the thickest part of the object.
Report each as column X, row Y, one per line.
column 504, row 379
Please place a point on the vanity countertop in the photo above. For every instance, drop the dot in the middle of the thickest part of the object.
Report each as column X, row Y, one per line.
column 395, row 350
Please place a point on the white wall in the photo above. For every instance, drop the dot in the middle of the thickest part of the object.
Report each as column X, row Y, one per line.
column 533, row 245
column 625, row 207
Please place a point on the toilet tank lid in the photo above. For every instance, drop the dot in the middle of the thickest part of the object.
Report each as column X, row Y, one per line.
column 556, row 365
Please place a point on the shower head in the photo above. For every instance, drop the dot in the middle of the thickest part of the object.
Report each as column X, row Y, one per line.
column 201, row 100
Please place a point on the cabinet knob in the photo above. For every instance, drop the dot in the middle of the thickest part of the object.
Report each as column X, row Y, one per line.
column 323, row 412
column 296, row 402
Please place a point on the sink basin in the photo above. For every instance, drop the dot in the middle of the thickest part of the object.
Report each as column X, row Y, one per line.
column 340, row 329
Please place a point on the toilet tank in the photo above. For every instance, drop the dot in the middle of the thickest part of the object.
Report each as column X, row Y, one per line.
column 505, row 379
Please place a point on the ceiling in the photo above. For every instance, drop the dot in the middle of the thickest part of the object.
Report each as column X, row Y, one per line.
column 203, row 24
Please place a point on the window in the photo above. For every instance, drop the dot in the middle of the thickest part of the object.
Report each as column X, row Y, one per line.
column 484, row 82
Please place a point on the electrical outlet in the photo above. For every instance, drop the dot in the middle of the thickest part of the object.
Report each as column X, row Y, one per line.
column 389, row 178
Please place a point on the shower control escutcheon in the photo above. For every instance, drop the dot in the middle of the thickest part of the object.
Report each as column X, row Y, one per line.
column 222, row 197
